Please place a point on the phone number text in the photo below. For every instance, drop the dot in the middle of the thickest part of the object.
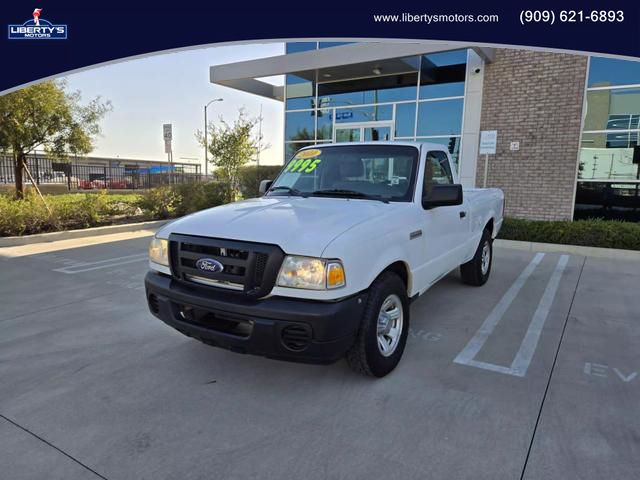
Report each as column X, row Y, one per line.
column 571, row 16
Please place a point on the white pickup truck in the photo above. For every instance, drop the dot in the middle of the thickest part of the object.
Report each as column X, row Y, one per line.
column 327, row 261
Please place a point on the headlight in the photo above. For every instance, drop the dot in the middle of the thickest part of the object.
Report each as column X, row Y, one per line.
column 311, row 273
column 159, row 251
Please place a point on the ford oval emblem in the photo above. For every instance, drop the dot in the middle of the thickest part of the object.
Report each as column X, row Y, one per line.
column 209, row 265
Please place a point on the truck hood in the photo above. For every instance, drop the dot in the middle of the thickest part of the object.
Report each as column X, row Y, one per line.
column 302, row 226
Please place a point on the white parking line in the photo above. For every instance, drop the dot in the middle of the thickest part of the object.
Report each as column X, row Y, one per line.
column 523, row 358
column 478, row 340
column 110, row 262
column 529, row 344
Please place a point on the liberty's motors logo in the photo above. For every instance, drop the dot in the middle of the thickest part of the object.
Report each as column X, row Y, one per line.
column 37, row 29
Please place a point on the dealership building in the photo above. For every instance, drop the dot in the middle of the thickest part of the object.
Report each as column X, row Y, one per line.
column 567, row 125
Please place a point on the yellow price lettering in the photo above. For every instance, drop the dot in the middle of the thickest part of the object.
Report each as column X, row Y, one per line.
column 294, row 164
column 307, row 165
column 313, row 165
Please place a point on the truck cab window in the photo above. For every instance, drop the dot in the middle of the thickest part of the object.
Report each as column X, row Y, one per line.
column 436, row 171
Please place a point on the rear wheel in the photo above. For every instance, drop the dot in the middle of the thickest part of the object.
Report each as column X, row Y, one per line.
column 383, row 330
column 476, row 271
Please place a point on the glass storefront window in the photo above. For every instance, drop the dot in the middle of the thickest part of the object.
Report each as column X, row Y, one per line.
column 615, row 109
column 325, row 125
column 300, row 125
column 452, row 144
column 608, row 200
column 606, row 156
column 440, row 118
column 333, row 44
column 364, row 114
column 610, row 71
column 300, row 92
column 291, row 148
column 443, row 74
column 330, row 95
column 359, row 84
column 405, row 119
column 296, row 47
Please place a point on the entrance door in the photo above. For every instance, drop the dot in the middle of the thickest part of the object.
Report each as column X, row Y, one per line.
column 363, row 132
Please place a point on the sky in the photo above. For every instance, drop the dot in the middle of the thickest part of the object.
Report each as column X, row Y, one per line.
column 173, row 88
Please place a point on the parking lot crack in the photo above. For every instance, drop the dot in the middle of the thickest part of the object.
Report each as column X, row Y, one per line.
column 553, row 366
column 46, row 442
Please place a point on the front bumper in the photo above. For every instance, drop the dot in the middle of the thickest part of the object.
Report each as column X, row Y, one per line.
column 275, row 327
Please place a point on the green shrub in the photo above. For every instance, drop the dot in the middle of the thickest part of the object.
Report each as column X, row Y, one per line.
column 250, row 178
column 22, row 217
column 177, row 200
column 160, row 202
column 76, row 210
column 589, row 233
column 199, row 196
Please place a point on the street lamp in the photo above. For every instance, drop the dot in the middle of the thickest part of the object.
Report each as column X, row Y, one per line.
column 206, row 145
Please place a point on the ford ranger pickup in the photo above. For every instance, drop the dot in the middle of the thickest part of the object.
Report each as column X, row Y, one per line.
column 326, row 262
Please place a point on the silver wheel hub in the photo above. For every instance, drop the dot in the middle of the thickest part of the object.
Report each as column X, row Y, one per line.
column 486, row 258
column 390, row 322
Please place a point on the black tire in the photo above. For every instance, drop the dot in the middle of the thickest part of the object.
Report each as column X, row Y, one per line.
column 365, row 356
column 472, row 271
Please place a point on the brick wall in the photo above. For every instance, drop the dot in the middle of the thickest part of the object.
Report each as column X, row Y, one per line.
column 534, row 98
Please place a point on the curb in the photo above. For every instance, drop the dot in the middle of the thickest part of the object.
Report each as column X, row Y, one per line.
column 81, row 233
column 597, row 252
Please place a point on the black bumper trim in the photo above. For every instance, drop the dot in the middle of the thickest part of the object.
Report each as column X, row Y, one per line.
column 332, row 325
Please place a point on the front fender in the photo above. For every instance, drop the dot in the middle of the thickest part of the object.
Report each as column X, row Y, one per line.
column 366, row 253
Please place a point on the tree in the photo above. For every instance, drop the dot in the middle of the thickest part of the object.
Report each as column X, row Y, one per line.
column 46, row 116
column 231, row 146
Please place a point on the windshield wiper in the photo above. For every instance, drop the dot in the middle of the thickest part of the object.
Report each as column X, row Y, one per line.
column 349, row 193
column 292, row 191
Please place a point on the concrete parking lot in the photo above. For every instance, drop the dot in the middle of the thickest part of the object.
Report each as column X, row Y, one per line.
column 532, row 376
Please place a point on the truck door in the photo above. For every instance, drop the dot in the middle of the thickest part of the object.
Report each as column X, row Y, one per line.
column 444, row 228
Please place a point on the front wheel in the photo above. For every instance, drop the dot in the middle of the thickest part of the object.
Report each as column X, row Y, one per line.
column 477, row 270
column 383, row 330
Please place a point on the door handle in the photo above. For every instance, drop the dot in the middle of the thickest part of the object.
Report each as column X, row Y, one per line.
column 463, row 214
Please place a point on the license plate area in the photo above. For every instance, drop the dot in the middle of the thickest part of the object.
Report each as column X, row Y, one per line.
column 217, row 321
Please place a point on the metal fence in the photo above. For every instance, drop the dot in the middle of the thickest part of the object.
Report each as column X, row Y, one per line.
column 78, row 175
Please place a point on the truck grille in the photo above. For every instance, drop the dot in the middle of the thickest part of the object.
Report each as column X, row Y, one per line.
column 248, row 268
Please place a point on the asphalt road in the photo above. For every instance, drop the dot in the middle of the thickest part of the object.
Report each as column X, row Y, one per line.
column 534, row 376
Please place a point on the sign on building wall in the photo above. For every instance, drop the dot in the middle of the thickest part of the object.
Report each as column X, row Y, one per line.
column 488, row 142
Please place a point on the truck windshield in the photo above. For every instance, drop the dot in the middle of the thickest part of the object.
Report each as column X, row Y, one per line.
column 380, row 172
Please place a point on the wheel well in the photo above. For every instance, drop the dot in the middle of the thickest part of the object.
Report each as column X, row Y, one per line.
column 489, row 226
column 400, row 269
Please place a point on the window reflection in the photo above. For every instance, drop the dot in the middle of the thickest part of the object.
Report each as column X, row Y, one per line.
column 390, row 80
column 617, row 109
column 364, row 114
column 300, row 92
column 292, row 148
column 300, row 125
column 443, row 74
column 611, row 71
column 325, row 125
column 405, row 119
column 334, row 44
column 609, row 156
column 296, row 47
column 608, row 200
column 452, row 144
column 440, row 117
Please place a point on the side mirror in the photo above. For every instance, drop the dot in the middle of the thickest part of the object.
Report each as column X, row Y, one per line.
column 442, row 196
column 264, row 186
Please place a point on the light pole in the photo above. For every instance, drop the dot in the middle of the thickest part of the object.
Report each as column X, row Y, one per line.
column 206, row 145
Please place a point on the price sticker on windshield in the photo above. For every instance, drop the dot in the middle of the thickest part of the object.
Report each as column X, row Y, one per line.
column 304, row 161
column 304, row 154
